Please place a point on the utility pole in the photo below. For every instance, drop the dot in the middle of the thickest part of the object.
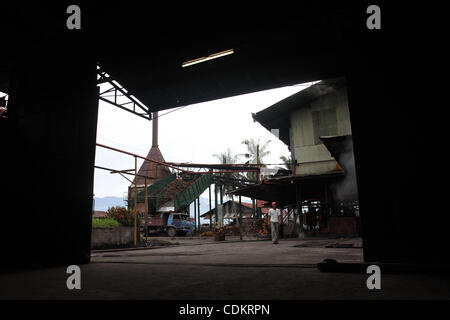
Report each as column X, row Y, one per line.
column 135, row 197
column 146, row 208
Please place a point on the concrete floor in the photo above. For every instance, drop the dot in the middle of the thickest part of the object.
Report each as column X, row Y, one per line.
column 203, row 269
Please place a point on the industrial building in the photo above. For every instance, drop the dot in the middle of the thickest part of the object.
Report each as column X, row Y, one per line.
column 321, row 191
column 231, row 210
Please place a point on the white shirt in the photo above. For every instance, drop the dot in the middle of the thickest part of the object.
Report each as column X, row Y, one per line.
column 274, row 214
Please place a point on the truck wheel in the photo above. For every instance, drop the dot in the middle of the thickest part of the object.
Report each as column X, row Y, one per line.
column 171, row 232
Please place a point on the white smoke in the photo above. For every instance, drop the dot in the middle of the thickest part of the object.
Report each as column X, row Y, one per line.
column 346, row 188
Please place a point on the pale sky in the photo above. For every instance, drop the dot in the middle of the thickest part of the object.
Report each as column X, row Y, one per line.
column 191, row 134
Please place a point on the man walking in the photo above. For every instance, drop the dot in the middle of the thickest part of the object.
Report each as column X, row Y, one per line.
column 275, row 217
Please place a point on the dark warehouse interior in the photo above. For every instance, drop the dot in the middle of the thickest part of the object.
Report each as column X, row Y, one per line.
column 48, row 138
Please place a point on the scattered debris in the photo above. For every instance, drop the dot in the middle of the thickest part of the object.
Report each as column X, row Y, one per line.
column 353, row 243
column 341, row 245
column 158, row 243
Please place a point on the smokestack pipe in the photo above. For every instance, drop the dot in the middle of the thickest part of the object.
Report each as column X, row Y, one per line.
column 155, row 129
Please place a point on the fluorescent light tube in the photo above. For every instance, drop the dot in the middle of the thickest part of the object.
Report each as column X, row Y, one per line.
column 210, row 57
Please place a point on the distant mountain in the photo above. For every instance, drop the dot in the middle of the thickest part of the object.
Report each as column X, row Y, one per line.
column 102, row 204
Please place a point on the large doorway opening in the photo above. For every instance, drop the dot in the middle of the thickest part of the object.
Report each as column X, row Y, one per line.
column 291, row 145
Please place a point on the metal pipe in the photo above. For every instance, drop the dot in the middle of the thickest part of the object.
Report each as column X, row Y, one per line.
column 229, row 171
column 155, row 129
column 145, row 158
column 170, row 166
column 119, row 171
column 115, row 171
column 220, row 165
column 126, row 178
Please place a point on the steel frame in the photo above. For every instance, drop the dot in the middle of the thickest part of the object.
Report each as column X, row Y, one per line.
column 110, row 96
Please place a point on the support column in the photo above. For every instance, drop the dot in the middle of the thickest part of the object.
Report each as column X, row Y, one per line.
column 198, row 213
column 210, row 213
column 221, row 203
column 240, row 218
column 146, row 207
column 298, row 194
column 216, row 203
column 195, row 215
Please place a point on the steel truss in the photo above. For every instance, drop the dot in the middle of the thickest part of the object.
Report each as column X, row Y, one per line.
column 112, row 94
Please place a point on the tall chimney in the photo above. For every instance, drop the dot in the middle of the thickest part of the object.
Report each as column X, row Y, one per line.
column 155, row 129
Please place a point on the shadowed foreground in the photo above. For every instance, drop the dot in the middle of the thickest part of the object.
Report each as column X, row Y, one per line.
column 203, row 269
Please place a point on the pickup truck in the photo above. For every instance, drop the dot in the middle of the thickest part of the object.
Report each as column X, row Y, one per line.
column 172, row 223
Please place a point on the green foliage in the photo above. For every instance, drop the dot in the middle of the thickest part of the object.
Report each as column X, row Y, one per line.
column 228, row 157
column 255, row 150
column 287, row 162
column 104, row 223
column 123, row 215
column 255, row 154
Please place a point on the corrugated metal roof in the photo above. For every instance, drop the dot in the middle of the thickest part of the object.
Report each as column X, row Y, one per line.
column 282, row 190
column 260, row 204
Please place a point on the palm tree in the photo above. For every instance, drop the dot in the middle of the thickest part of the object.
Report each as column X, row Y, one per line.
column 227, row 157
column 287, row 162
column 255, row 153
